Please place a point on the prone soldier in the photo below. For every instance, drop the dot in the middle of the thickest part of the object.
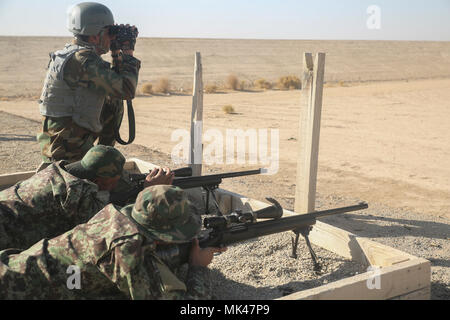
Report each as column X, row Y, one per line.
column 61, row 196
column 115, row 253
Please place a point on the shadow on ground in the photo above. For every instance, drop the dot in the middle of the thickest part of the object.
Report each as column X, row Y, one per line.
column 440, row 291
column 227, row 289
column 16, row 137
column 367, row 225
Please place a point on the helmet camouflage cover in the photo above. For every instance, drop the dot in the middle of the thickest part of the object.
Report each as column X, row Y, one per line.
column 88, row 18
column 100, row 161
column 104, row 161
column 165, row 212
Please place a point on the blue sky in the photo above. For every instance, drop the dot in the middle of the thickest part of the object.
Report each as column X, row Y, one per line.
column 255, row 19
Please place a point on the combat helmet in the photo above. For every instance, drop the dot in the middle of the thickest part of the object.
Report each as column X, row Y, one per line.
column 89, row 18
column 166, row 214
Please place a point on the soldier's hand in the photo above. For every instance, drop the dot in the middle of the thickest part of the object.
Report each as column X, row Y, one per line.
column 202, row 257
column 123, row 37
column 159, row 176
column 129, row 40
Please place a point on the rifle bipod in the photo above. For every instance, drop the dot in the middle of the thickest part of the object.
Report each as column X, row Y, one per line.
column 210, row 190
column 305, row 233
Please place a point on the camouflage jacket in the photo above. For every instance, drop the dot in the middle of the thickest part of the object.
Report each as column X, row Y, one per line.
column 47, row 204
column 115, row 261
column 63, row 139
column 118, row 81
column 87, row 68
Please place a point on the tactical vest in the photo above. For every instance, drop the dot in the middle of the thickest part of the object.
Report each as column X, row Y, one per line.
column 57, row 100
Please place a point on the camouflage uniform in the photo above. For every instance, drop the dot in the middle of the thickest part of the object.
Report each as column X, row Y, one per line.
column 115, row 253
column 54, row 201
column 61, row 138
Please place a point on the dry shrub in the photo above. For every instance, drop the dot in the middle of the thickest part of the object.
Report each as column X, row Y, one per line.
column 187, row 89
column 336, row 84
column 232, row 82
column 163, row 86
column 289, row 83
column 147, row 88
column 211, row 88
column 242, row 85
column 228, row 109
column 263, row 84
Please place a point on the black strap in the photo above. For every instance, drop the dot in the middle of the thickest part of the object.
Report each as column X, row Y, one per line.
column 131, row 126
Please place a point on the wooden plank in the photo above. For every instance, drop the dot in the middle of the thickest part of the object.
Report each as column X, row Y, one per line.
column 394, row 281
column 421, row 294
column 308, row 64
column 339, row 241
column 7, row 180
column 130, row 166
column 225, row 203
column 352, row 247
column 302, row 198
column 196, row 148
column 309, row 132
column 142, row 166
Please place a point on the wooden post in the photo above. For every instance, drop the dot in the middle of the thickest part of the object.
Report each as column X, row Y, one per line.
column 196, row 148
column 309, row 132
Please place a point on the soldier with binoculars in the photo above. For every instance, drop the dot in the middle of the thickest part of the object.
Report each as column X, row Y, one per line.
column 82, row 97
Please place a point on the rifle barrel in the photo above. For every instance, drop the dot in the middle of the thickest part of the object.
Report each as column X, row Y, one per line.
column 242, row 232
column 330, row 212
column 228, row 174
column 198, row 181
column 235, row 174
column 180, row 172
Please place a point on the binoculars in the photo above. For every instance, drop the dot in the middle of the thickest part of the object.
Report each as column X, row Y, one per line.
column 125, row 37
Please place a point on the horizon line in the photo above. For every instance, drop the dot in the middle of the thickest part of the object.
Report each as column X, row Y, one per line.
column 220, row 38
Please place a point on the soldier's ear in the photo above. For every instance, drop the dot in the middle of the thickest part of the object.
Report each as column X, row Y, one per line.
column 94, row 39
column 99, row 182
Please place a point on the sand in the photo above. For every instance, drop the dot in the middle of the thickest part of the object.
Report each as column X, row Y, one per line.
column 384, row 142
column 24, row 60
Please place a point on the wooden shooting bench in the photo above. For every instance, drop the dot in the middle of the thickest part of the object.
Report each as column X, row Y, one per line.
column 402, row 276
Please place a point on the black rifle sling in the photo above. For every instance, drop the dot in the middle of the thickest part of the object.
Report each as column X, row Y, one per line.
column 131, row 126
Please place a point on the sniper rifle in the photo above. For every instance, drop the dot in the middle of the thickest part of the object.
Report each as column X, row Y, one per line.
column 237, row 227
column 182, row 179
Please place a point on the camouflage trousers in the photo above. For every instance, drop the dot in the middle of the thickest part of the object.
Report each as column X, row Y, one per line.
column 63, row 139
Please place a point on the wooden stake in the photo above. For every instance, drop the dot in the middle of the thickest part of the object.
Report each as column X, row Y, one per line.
column 309, row 132
column 196, row 148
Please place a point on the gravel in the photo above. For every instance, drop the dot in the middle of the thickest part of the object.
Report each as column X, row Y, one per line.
column 263, row 269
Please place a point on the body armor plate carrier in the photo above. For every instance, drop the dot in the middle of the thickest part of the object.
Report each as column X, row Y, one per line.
column 57, row 100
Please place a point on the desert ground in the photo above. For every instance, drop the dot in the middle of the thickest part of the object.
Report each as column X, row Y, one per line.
column 384, row 133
